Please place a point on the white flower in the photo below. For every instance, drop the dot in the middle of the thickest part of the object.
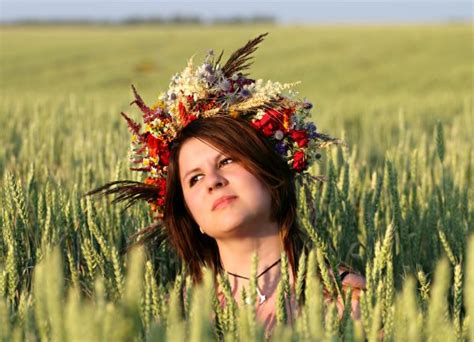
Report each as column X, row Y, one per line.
column 259, row 115
column 279, row 135
column 174, row 79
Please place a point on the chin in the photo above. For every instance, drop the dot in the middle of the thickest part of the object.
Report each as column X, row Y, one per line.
column 231, row 227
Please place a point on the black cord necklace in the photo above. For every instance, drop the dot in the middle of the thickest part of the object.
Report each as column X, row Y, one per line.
column 261, row 296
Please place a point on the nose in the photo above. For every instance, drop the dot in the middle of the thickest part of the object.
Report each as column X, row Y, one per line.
column 215, row 180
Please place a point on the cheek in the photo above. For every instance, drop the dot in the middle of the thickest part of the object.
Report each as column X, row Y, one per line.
column 259, row 193
column 265, row 199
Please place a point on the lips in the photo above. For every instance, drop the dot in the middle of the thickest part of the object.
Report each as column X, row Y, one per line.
column 222, row 201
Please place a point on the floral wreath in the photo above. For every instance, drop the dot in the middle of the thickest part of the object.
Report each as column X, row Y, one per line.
column 211, row 90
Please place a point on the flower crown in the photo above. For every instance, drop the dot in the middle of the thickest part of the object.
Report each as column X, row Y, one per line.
column 211, row 90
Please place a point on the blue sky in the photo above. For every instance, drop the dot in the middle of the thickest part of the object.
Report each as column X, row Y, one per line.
column 285, row 11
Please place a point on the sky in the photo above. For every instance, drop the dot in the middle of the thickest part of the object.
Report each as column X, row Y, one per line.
column 284, row 11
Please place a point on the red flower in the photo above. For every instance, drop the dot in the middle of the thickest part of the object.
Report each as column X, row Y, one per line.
column 269, row 123
column 273, row 113
column 153, row 144
column 160, row 184
column 300, row 137
column 182, row 112
column 262, row 122
column 268, row 129
column 165, row 157
column 185, row 117
column 158, row 148
column 299, row 161
column 191, row 118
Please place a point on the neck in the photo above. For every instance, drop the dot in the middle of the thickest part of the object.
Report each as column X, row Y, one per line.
column 236, row 257
column 236, row 253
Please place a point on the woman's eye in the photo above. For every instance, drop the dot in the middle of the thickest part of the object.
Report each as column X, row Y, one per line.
column 226, row 161
column 194, row 179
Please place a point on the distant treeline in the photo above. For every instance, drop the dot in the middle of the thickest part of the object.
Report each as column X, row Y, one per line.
column 150, row 20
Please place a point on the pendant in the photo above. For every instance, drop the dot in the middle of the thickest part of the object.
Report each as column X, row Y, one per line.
column 261, row 297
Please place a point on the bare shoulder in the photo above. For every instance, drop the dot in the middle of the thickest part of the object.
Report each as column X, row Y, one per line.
column 356, row 283
column 350, row 278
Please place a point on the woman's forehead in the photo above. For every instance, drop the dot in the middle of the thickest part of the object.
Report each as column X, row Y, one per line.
column 194, row 147
column 194, row 152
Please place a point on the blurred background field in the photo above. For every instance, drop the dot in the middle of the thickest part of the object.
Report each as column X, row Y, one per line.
column 400, row 95
column 377, row 84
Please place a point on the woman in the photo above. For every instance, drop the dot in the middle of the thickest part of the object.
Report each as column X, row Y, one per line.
column 222, row 153
column 236, row 197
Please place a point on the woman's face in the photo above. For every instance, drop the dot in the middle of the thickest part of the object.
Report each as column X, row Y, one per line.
column 223, row 197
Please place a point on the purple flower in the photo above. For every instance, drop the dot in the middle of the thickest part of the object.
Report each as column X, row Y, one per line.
column 245, row 93
column 281, row 148
column 307, row 105
column 172, row 96
column 225, row 85
column 311, row 128
column 210, row 78
column 208, row 68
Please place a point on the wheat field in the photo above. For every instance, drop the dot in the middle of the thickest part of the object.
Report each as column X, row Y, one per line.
column 397, row 205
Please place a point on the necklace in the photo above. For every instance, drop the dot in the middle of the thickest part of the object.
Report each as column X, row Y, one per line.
column 261, row 296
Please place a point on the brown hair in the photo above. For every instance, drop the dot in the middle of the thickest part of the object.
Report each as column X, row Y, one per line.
column 237, row 139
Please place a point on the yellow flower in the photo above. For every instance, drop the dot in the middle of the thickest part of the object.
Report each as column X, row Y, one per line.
column 159, row 104
column 234, row 113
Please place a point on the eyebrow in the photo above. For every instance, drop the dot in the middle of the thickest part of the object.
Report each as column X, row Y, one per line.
column 198, row 168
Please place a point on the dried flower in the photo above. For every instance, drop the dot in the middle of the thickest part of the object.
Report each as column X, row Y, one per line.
column 279, row 135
